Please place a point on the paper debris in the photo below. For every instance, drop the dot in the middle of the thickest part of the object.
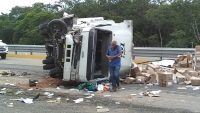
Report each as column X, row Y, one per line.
column 18, row 92
column 27, row 100
column 181, row 88
column 196, row 88
column 89, row 97
column 133, row 94
column 102, row 110
column 107, row 95
column 3, row 89
column 2, row 92
column 117, row 102
column 58, row 88
column 99, row 107
column 9, row 105
column 30, row 89
column 78, row 100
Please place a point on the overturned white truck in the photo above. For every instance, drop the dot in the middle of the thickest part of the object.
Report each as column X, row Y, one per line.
column 76, row 47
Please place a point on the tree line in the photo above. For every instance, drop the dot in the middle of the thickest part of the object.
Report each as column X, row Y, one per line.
column 156, row 23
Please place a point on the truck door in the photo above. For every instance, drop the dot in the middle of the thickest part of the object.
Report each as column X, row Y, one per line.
column 91, row 54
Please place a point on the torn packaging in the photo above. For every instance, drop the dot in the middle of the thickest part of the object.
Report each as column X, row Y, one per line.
column 180, row 79
column 197, row 48
column 134, row 71
column 129, row 80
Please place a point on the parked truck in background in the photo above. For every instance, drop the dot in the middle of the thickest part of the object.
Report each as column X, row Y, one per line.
column 76, row 47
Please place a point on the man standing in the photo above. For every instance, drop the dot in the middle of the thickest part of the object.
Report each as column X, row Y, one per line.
column 113, row 54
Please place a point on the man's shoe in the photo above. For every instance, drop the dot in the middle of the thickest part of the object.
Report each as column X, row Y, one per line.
column 114, row 89
column 118, row 86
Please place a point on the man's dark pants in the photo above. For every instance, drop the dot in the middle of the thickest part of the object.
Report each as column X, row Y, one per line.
column 114, row 74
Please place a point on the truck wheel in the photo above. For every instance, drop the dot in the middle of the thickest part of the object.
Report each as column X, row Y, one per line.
column 58, row 26
column 48, row 66
column 3, row 56
column 56, row 72
column 48, row 61
column 43, row 32
column 43, row 26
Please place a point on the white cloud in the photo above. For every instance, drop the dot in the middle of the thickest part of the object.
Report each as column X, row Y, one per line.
column 7, row 5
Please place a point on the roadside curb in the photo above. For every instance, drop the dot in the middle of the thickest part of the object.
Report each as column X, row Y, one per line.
column 27, row 56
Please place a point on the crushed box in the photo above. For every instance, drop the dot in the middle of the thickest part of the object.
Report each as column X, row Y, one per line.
column 134, row 71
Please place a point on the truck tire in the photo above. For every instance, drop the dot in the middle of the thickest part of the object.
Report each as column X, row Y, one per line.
column 48, row 61
column 43, row 26
column 56, row 72
column 3, row 56
column 48, row 66
column 43, row 32
column 57, row 25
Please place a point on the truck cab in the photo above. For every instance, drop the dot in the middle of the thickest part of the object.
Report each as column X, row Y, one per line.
column 84, row 49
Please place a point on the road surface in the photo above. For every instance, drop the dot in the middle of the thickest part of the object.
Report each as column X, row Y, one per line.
column 171, row 99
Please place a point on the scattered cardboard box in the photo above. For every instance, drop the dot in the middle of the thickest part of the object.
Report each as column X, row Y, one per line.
column 129, row 80
column 195, row 81
column 193, row 73
column 153, row 78
column 134, row 71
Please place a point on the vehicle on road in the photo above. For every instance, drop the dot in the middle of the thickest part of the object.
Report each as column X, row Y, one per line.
column 76, row 47
column 3, row 50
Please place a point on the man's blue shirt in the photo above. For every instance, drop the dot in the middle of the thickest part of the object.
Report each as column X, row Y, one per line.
column 112, row 52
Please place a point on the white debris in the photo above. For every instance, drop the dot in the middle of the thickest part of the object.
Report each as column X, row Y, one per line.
column 196, row 88
column 73, row 89
column 99, row 107
column 27, row 100
column 78, row 100
column 117, row 102
column 107, row 95
column 133, row 94
column 30, row 89
column 18, row 92
column 58, row 88
column 3, row 89
column 89, row 97
column 155, row 92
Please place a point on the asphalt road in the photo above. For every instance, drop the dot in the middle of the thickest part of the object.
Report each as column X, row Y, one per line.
column 171, row 99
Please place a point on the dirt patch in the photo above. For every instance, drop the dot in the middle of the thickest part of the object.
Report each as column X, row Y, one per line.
column 46, row 83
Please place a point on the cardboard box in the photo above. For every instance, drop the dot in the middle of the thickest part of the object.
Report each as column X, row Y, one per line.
column 150, row 71
column 165, row 76
column 153, row 78
column 187, row 76
column 167, row 83
column 189, row 56
column 180, row 79
column 197, row 68
column 195, row 81
column 140, row 74
column 134, row 71
column 197, row 58
column 140, row 79
column 193, row 73
column 197, row 48
column 184, row 63
column 129, row 80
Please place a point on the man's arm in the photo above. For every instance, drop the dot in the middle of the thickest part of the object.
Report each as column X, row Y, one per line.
column 119, row 52
column 107, row 53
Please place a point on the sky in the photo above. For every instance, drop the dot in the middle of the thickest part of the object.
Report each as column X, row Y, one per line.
column 7, row 5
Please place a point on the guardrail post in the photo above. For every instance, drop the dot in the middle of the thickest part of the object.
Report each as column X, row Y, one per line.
column 160, row 58
column 15, row 50
column 31, row 51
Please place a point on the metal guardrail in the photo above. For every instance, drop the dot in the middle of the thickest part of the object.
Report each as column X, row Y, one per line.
column 27, row 48
column 138, row 51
